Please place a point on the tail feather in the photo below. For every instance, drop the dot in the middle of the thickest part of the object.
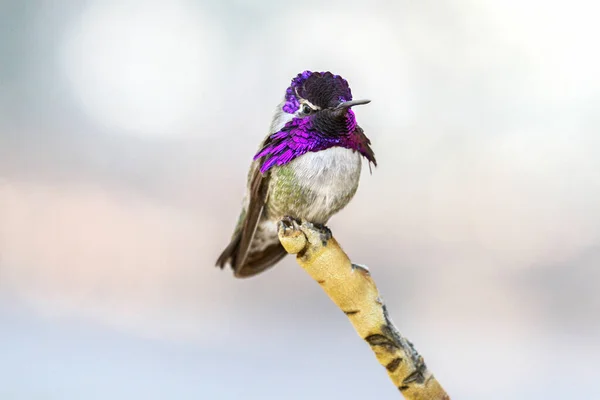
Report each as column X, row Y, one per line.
column 255, row 262
column 259, row 261
column 229, row 255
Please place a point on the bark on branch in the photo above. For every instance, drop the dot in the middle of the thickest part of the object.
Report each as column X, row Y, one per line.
column 352, row 289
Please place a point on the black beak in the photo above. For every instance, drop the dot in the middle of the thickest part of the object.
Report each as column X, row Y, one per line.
column 348, row 104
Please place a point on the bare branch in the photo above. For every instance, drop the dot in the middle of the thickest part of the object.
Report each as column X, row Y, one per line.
column 352, row 289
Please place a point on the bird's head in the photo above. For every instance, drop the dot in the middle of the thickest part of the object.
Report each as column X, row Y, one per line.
column 315, row 115
column 324, row 100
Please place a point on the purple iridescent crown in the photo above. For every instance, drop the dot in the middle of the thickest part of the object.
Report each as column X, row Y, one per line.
column 322, row 89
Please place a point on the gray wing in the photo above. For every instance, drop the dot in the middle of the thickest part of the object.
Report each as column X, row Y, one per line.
column 244, row 260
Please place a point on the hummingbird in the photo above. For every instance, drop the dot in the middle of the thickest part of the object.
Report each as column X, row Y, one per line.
column 307, row 168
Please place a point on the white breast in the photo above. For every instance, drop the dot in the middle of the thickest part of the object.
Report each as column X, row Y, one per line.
column 331, row 176
column 322, row 168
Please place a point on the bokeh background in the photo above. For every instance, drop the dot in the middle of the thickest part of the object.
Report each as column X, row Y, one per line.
column 127, row 127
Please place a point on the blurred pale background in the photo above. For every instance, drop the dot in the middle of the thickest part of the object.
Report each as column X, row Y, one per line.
column 126, row 128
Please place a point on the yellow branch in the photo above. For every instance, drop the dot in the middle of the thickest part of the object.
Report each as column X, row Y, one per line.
column 352, row 289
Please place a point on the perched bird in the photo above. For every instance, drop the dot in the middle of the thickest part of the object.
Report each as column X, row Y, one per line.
column 307, row 168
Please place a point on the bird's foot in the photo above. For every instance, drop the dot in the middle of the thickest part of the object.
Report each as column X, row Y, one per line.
column 291, row 221
column 324, row 232
column 291, row 236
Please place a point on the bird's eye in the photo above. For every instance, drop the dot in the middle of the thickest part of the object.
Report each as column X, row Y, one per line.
column 306, row 109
